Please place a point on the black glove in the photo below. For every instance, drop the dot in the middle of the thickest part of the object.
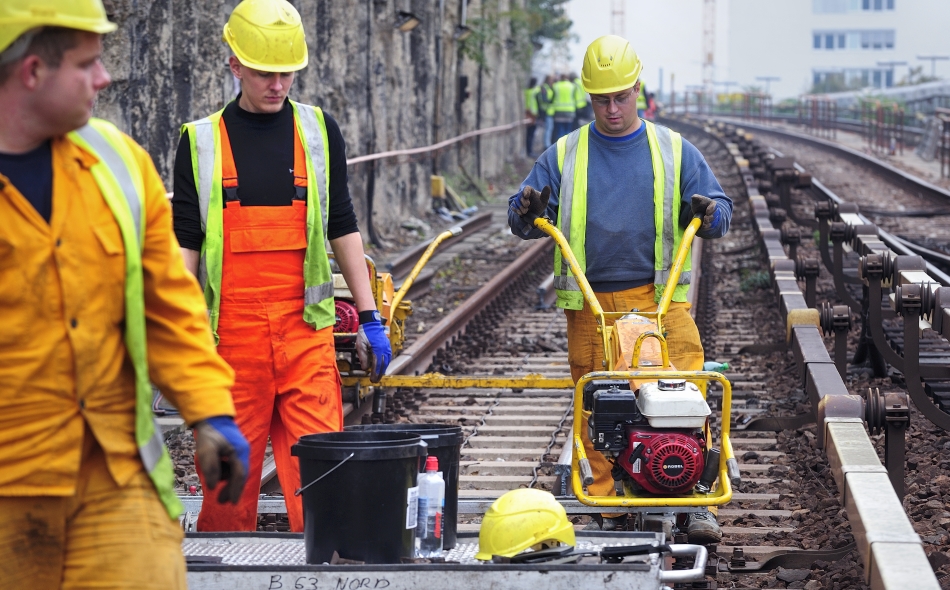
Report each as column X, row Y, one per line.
column 705, row 208
column 531, row 204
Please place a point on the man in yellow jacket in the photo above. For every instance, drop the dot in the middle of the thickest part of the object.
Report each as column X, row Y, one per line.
column 95, row 303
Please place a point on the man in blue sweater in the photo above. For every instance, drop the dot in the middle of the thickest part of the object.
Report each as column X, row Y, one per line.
column 625, row 190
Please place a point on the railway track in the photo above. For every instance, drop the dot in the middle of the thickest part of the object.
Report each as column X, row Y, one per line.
column 789, row 506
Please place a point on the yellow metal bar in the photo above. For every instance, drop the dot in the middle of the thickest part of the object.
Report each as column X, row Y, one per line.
column 677, row 269
column 407, row 283
column 440, row 381
column 664, row 351
column 721, row 495
column 568, row 255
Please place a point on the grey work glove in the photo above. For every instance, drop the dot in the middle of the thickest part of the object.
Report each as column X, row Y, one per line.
column 222, row 453
column 531, row 204
column 705, row 208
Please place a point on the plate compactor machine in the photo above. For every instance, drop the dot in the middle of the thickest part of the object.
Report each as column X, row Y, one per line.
column 650, row 421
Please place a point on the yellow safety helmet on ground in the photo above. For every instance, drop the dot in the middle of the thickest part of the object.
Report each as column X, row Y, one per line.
column 19, row 16
column 610, row 65
column 520, row 519
column 267, row 35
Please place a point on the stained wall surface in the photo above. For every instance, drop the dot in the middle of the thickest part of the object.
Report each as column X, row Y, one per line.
column 388, row 89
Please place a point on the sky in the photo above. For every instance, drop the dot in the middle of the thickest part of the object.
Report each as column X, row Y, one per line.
column 666, row 34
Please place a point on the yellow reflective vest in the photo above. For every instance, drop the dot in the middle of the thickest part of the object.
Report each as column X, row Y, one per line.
column 120, row 180
column 205, row 139
column 563, row 98
column 666, row 151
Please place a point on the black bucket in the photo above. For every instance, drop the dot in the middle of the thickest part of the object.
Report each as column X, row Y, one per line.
column 360, row 508
column 444, row 441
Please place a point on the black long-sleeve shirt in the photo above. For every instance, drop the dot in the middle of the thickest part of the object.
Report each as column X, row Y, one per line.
column 263, row 148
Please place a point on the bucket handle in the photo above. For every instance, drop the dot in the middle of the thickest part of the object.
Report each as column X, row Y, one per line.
column 332, row 469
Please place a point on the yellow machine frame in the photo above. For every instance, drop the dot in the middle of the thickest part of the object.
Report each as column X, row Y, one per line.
column 581, row 473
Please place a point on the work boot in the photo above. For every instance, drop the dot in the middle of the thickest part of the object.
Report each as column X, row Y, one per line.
column 703, row 529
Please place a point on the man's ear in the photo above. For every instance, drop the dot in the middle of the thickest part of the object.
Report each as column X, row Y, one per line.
column 235, row 66
column 28, row 71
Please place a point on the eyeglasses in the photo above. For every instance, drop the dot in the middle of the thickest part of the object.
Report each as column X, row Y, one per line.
column 604, row 101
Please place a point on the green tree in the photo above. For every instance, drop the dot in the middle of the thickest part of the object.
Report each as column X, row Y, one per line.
column 538, row 21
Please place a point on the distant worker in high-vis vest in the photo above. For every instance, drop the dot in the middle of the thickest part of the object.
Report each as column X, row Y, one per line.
column 260, row 188
column 95, row 305
column 632, row 188
column 531, row 113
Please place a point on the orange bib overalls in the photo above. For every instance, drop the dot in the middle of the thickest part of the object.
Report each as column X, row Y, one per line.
column 286, row 380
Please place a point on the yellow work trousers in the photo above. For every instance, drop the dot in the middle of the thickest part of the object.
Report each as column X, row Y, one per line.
column 104, row 537
column 585, row 353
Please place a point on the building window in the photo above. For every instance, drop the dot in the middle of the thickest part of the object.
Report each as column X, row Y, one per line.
column 877, row 40
column 877, row 5
column 842, row 40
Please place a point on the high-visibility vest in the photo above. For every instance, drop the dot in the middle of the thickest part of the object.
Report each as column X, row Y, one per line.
column 545, row 96
column 666, row 151
column 119, row 178
column 205, row 138
column 580, row 97
column 531, row 100
column 642, row 98
column 563, row 98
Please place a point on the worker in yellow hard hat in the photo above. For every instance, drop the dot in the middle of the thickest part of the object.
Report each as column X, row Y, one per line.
column 632, row 188
column 95, row 303
column 260, row 187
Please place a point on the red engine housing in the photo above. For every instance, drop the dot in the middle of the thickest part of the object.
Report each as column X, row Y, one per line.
column 347, row 317
column 663, row 461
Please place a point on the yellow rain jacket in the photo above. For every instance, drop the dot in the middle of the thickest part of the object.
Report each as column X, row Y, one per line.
column 63, row 360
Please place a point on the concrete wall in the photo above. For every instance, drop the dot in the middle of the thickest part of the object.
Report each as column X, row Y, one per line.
column 387, row 89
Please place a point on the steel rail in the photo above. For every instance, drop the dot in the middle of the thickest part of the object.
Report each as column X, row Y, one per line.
column 891, row 551
column 417, row 357
column 400, row 266
column 898, row 245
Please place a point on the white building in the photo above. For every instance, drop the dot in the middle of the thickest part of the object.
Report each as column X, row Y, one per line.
column 854, row 42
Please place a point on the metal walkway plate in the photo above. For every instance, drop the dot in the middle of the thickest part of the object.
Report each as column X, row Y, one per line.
column 276, row 561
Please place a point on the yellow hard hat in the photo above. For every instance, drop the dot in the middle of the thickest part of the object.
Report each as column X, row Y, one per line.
column 610, row 65
column 267, row 35
column 520, row 519
column 20, row 16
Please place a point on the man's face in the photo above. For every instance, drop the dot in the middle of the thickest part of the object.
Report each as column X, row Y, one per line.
column 65, row 95
column 615, row 114
column 261, row 92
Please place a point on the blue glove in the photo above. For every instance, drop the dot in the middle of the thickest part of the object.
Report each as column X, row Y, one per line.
column 372, row 345
column 223, row 454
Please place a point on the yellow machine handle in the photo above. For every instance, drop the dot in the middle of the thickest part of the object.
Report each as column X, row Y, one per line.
column 676, row 270
column 407, row 283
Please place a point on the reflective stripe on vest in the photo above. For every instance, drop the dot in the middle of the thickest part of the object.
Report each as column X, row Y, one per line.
column 119, row 179
column 666, row 152
column 205, row 138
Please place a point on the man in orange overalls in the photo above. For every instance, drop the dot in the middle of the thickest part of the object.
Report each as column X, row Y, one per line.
column 259, row 187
